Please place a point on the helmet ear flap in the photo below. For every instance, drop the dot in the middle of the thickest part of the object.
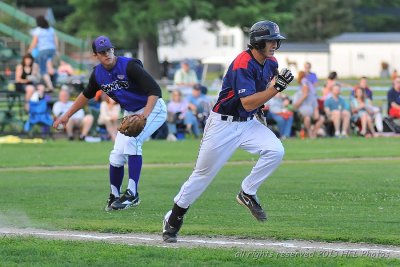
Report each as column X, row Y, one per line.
column 259, row 45
column 278, row 44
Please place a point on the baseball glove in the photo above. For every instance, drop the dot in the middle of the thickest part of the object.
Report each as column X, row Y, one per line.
column 132, row 125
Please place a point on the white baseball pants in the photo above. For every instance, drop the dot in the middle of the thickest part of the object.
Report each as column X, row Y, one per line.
column 125, row 145
column 220, row 140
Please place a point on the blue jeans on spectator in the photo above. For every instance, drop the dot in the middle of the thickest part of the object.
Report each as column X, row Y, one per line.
column 191, row 119
column 43, row 57
column 172, row 128
column 285, row 126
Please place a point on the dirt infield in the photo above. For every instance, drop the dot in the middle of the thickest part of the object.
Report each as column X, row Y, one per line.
column 246, row 247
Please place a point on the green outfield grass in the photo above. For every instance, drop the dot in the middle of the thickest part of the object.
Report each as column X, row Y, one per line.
column 64, row 153
column 326, row 189
column 37, row 252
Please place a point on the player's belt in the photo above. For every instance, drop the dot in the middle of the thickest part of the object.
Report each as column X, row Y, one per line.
column 234, row 118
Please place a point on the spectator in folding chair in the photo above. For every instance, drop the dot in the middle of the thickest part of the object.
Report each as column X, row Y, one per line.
column 377, row 115
column 199, row 108
column 109, row 115
column 38, row 112
column 306, row 105
column 177, row 109
column 362, row 113
column 26, row 76
column 280, row 111
column 79, row 119
column 337, row 110
column 393, row 97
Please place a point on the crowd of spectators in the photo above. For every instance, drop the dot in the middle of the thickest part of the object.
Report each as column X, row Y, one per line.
column 314, row 110
column 328, row 113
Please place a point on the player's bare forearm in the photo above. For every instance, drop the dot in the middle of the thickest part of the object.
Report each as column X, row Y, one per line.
column 151, row 102
column 256, row 100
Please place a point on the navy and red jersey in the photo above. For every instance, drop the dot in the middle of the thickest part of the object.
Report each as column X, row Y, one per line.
column 127, row 83
column 244, row 77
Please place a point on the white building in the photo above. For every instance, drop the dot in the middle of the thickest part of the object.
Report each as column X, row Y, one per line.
column 198, row 42
column 294, row 55
column 362, row 54
column 349, row 54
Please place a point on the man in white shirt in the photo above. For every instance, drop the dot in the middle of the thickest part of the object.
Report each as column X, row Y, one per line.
column 185, row 76
column 78, row 120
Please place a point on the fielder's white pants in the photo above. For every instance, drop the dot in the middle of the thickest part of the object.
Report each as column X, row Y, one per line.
column 125, row 145
column 220, row 140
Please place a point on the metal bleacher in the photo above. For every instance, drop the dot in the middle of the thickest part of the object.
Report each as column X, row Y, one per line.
column 16, row 34
column 14, row 41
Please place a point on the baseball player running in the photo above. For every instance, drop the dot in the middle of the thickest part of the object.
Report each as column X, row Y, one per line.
column 124, row 80
column 252, row 80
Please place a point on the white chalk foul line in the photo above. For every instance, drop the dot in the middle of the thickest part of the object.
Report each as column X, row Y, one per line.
column 340, row 249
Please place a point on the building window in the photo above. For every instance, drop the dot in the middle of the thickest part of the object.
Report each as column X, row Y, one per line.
column 225, row 40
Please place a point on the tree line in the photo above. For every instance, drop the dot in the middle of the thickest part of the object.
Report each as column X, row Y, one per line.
column 136, row 23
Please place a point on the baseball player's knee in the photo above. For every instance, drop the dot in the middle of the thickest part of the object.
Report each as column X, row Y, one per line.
column 117, row 160
column 280, row 154
column 275, row 155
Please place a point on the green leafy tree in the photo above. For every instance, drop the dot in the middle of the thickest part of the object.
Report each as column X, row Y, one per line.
column 130, row 24
column 60, row 8
column 316, row 20
column 140, row 20
column 377, row 16
column 135, row 24
column 243, row 13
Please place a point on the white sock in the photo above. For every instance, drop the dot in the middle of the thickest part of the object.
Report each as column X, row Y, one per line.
column 114, row 191
column 132, row 186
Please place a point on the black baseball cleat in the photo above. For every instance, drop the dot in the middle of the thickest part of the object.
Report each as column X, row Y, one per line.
column 252, row 203
column 170, row 233
column 126, row 201
column 110, row 200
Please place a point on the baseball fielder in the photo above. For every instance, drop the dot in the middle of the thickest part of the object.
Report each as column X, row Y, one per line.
column 124, row 80
column 251, row 80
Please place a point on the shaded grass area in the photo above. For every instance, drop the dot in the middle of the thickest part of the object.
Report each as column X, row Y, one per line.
column 38, row 252
column 354, row 201
column 60, row 152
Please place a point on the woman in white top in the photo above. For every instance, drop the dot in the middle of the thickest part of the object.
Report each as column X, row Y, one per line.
column 45, row 39
column 109, row 115
column 362, row 111
column 177, row 109
column 306, row 104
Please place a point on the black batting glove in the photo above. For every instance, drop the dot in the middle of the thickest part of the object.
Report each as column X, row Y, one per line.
column 283, row 79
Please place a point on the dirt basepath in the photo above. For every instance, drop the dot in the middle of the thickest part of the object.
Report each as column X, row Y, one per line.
column 246, row 247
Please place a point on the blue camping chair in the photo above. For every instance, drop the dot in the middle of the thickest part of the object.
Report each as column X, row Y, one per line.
column 38, row 114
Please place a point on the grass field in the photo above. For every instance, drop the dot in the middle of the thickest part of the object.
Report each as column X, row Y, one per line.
column 326, row 189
